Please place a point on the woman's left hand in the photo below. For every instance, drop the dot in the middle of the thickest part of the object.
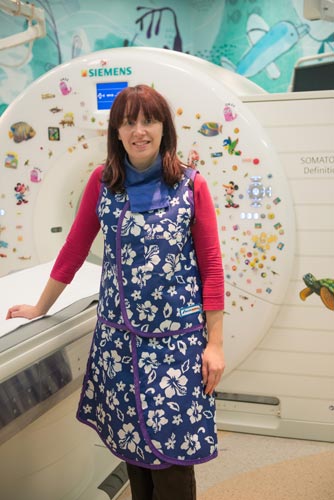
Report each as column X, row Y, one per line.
column 213, row 366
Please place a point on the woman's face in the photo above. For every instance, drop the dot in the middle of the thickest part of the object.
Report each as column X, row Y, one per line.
column 141, row 140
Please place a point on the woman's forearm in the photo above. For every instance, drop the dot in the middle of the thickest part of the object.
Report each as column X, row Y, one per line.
column 50, row 294
column 214, row 321
column 213, row 363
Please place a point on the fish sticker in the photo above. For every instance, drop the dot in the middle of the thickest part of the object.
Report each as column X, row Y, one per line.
column 21, row 131
column 56, row 110
column 210, row 129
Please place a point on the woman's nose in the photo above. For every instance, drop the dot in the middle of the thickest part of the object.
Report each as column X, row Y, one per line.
column 139, row 127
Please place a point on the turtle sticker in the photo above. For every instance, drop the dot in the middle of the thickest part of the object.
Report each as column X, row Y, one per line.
column 323, row 287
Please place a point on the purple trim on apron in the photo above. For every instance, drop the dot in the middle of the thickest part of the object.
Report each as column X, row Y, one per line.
column 129, row 327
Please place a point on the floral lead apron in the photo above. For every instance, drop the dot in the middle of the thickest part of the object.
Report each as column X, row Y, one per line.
column 143, row 391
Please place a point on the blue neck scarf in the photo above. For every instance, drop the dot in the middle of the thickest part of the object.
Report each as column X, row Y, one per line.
column 146, row 189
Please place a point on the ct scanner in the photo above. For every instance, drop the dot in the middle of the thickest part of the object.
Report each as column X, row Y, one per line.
column 53, row 136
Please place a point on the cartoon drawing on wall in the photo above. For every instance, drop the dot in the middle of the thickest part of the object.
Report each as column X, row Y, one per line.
column 155, row 17
column 326, row 44
column 53, row 55
column 323, row 287
column 267, row 45
column 248, row 37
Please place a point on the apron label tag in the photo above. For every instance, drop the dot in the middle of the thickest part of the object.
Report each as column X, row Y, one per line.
column 185, row 311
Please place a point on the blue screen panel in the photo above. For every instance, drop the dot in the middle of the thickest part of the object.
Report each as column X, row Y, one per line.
column 106, row 93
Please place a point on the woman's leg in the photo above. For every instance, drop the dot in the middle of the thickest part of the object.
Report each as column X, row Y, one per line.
column 175, row 483
column 140, row 482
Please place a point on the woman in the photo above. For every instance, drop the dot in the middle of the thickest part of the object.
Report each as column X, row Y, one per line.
column 157, row 354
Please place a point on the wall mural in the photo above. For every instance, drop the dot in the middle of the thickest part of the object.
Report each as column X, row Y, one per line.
column 259, row 39
column 266, row 39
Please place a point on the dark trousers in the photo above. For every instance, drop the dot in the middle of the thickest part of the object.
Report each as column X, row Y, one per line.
column 176, row 482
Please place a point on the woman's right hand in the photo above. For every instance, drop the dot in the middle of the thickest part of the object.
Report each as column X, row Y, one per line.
column 23, row 311
column 49, row 296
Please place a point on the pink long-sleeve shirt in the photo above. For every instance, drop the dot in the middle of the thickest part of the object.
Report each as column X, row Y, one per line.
column 204, row 231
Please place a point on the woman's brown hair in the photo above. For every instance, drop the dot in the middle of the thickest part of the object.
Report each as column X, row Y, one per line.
column 154, row 106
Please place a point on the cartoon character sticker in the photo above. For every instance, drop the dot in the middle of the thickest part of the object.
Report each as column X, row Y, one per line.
column 20, row 193
column 53, row 133
column 229, row 113
column 230, row 189
column 64, row 87
column 193, row 158
column 68, row 120
column 35, row 175
column 11, row 160
column 230, row 145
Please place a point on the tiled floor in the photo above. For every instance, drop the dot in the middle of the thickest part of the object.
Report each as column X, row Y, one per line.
column 252, row 467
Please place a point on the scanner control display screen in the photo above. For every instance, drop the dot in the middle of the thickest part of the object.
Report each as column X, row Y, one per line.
column 106, row 93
